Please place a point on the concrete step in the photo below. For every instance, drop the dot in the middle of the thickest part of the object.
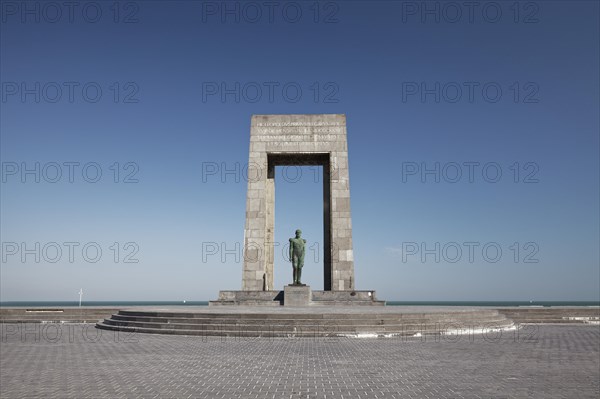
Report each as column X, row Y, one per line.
column 54, row 315
column 367, row 314
column 246, row 303
column 347, row 303
column 307, row 327
column 300, row 320
column 298, row 333
column 581, row 315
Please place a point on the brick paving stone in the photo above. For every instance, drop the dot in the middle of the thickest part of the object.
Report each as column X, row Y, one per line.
column 79, row 361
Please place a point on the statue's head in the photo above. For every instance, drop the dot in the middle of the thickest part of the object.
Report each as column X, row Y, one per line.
column 298, row 233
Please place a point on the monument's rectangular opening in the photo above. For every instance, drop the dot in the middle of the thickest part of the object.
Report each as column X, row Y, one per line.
column 299, row 205
column 299, row 159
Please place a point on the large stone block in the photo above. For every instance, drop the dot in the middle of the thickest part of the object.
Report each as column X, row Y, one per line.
column 296, row 296
column 342, row 204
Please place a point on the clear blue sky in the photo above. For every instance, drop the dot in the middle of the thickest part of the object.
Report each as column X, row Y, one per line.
column 179, row 82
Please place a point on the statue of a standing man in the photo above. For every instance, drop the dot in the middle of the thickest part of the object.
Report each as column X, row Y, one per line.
column 297, row 250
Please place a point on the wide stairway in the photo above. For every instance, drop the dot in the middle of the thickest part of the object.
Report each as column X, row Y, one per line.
column 308, row 322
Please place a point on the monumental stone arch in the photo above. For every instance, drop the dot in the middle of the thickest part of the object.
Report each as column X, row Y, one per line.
column 300, row 140
column 277, row 140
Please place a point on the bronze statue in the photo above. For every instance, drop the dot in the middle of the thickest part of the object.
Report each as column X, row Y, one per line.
column 297, row 250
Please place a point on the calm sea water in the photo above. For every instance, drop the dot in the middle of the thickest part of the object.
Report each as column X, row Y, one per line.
column 389, row 303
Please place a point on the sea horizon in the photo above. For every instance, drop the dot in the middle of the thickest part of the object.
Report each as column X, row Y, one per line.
column 205, row 303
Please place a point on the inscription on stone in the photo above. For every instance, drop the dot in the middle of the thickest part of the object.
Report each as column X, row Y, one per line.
column 298, row 130
column 307, row 123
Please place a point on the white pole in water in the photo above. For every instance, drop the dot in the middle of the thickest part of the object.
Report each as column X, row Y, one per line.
column 80, row 295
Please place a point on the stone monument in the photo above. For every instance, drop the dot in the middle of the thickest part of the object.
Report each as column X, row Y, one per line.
column 277, row 140
column 298, row 140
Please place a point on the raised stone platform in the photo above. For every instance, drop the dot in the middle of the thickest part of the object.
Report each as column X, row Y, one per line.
column 46, row 314
column 315, row 298
column 520, row 315
column 309, row 321
column 553, row 315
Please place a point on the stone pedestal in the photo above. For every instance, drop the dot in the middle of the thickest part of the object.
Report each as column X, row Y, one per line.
column 296, row 295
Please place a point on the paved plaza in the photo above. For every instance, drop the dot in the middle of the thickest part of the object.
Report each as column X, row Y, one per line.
column 79, row 361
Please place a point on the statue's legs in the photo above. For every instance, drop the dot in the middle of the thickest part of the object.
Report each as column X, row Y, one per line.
column 297, row 263
column 300, row 265
column 295, row 269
